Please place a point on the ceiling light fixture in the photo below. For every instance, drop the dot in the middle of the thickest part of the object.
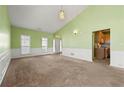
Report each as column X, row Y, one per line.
column 61, row 14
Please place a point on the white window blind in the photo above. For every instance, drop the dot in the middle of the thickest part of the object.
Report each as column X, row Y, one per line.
column 25, row 44
column 44, row 44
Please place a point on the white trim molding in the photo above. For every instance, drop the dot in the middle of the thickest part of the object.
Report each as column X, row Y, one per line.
column 16, row 52
column 117, row 59
column 84, row 54
column 5, row 58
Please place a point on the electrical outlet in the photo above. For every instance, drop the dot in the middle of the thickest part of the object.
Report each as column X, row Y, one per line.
column 72, row 54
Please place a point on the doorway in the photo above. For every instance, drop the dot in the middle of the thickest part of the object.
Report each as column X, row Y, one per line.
column 101, row 46
column 57, row 45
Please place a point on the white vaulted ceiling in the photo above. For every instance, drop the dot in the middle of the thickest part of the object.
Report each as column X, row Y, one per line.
column 42, row 17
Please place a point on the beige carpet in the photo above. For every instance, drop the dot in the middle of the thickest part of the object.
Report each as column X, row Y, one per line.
column 57, row 70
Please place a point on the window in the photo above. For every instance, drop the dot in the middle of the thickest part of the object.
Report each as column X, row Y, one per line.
column 25, row 44
column 44, row 44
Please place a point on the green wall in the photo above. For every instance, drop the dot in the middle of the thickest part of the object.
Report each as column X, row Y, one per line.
column 4, row 29
column 92, row 19
column 36, row 37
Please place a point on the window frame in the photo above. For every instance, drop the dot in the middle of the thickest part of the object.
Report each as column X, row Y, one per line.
column 44, row 47
column 28, row 46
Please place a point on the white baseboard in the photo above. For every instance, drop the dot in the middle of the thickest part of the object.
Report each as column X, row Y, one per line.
column 84, row 54
column 16, row 53
column 4, row 63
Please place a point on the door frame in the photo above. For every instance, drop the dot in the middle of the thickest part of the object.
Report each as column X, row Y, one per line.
column 54, row 45
column 93, row 42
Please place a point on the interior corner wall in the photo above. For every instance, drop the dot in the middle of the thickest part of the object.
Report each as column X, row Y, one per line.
column 4, row 41
column 92, row 19
column 36, row 42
